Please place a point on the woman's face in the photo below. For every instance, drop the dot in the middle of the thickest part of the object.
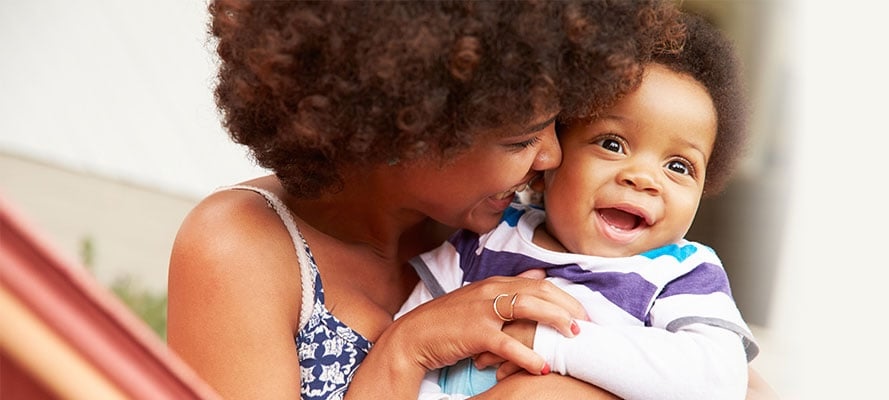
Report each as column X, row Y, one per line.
column 473, row 189
column 632, row 180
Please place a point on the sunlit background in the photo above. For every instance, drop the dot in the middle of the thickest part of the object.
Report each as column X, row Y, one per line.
column 109, row 135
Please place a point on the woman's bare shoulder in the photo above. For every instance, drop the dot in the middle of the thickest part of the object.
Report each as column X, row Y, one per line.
column 233, row 244
column 234, row 296
column 228, row 223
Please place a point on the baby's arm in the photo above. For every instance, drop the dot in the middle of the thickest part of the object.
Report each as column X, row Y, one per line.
column 697, row 362
column 697, row 345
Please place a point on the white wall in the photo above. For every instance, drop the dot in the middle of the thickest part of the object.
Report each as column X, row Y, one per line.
column 830, row 312
column 119, row 88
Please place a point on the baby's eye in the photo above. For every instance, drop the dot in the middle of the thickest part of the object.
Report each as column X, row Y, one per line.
column 680, row 167
column 610, row 144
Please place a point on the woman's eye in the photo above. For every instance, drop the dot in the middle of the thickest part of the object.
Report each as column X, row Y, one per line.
column 526, row 143
column 611, row 144
column 679, row 167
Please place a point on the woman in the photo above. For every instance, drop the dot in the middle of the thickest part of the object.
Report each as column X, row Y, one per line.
column 383, row 121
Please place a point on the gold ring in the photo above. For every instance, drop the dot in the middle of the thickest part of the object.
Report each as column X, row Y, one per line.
column 512, row 307
column 496, row 311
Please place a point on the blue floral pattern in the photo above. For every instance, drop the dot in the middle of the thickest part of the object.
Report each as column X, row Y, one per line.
column 329, row 351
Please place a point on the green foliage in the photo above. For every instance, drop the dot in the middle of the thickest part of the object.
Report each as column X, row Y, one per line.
column 87, row 253
column 149, row 306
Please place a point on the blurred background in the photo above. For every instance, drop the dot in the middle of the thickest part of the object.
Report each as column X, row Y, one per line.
column 109, row 135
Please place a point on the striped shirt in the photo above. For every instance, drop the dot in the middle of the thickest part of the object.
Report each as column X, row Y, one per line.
column 682, row 289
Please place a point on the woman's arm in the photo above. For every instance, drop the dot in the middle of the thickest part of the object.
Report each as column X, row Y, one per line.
column 455, row 326
column 234, row 299
column 549, row 387
column 556, row 387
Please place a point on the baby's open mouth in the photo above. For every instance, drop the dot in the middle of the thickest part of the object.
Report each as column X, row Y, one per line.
column 620, row 219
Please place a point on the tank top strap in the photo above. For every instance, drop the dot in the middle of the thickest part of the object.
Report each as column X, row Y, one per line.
column 306, row 267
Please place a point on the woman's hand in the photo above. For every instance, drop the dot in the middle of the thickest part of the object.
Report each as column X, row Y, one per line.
column 461, row 324
column 521, row 330
column 475, row 327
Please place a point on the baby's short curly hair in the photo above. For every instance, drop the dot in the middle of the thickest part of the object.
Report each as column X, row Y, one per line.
column 709, row 57
column 314, row 87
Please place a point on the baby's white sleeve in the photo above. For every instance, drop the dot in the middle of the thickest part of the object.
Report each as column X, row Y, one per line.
column 636, row 362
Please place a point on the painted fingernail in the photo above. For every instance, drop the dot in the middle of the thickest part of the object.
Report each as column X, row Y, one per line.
column 545, row 370
column 575, row 329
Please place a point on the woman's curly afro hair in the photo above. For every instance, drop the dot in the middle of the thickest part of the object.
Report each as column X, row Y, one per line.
column 313, row 87
column 709, row 57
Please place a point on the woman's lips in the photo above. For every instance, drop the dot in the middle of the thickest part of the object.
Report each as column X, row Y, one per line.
column 503, row 199
column 510, row 192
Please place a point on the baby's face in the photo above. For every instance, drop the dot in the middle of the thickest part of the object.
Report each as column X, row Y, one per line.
column 632, row 180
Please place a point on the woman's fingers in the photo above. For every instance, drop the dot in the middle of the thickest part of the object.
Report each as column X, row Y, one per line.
column 535, row 300
column 541, row 289
column 474, row 325
column 506, row 369
column 522, row 330
column 536, row 309
column 510, row 349
column 486, row 360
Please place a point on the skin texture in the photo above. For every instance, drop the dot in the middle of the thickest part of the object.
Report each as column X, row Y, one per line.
column 631, row 181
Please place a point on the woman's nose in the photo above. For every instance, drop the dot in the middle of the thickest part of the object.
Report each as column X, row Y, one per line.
column 550, row 154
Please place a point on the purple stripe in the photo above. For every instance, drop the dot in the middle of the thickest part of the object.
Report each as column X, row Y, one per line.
column 489, row 263
column 704, row 279
column 466, row 242
column 499, row 263
column 629, row 291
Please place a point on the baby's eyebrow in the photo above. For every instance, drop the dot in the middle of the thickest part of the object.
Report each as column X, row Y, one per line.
column 696, row 147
